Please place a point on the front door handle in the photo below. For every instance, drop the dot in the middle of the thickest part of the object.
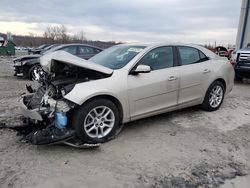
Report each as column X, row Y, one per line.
column 206, row 71
column 171, row 78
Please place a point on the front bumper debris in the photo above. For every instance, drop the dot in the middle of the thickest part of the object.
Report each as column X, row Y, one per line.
column 39, row 127
column 30, row 113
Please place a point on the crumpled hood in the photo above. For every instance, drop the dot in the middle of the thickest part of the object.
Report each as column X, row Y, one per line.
column 67, row 58
column 27, row 57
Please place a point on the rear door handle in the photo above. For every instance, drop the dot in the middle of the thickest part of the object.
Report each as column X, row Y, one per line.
column 171, row 78
column 206, row 71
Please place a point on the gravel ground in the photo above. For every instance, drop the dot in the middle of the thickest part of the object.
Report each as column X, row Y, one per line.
column 186, row 148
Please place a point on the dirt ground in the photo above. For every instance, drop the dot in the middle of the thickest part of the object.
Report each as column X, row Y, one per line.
column 187, row 148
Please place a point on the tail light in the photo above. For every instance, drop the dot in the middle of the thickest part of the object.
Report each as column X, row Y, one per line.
column 232, row 62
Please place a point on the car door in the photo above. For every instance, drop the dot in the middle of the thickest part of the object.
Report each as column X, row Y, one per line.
column 156, row 90
column 194, row 74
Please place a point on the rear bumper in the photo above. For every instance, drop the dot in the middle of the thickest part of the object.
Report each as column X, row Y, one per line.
column 242, row 71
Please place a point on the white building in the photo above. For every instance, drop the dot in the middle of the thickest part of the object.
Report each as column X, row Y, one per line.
column 243, row 35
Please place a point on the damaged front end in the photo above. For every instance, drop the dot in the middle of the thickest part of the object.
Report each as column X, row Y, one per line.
column 46, row 116
column 47, row 113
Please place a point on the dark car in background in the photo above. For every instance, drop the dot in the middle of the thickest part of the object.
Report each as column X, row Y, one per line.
column 242, row 65
column 25, row 65
column 38, row 50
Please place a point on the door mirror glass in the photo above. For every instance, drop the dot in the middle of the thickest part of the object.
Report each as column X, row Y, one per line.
column 141, row 69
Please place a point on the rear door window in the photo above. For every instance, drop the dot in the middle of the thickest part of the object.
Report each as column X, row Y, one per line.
column 97, row 50
column 86, row 50
column 189, row 55
column 70, row 49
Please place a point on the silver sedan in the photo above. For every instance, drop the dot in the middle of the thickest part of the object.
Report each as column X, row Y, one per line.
column 141, row 80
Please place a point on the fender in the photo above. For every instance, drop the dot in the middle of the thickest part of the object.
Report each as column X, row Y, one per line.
column 227, row 70
column 110, row 86
column 32, row 62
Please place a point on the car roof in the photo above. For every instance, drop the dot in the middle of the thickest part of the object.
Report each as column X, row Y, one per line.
column 208, row 52
column 154, row 44
column 55, row 48
column 78, row 44
column 43, row 46
column 51, row 46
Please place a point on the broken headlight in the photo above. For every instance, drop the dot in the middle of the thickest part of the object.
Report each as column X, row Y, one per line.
column 18, row 63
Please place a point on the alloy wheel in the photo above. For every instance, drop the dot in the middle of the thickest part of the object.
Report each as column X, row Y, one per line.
column 99, row 122
column 216, row 96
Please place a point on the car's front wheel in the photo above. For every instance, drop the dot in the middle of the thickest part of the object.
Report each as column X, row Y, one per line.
column 214, row 96
column 96, row 121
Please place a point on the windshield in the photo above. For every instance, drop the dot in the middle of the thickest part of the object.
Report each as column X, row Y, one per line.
column 51, row 46
column 42, row 46
column 116, row 57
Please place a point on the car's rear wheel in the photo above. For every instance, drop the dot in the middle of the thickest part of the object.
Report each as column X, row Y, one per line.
column 31, row 72
column 214, row 96
column 96, row 121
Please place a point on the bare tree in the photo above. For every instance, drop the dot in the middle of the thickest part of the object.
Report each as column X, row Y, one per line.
column 80, row 36
column 56, row 34
column 50, row 34
column 63, row 34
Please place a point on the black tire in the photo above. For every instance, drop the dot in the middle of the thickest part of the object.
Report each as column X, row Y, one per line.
column 31, row 70
column 80, row 114
column 206, row 104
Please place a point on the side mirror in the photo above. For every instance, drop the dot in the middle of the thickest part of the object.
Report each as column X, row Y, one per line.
column 141, row 69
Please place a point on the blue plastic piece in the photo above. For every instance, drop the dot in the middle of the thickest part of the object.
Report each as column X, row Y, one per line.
column 61, row 120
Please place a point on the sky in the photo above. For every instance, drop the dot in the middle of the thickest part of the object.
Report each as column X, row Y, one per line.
column 190, row 21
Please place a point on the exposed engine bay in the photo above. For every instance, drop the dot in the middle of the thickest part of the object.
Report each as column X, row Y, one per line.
column 47, row 113
column 53, row 87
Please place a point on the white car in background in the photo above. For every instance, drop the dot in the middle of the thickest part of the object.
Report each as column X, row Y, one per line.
column 128, row 82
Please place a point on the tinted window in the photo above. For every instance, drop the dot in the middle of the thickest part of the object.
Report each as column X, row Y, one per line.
column 70, row 49
column 191, row 55
column 86, row 50
column 97, row 50
column 203, row 57
column 159, row 58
